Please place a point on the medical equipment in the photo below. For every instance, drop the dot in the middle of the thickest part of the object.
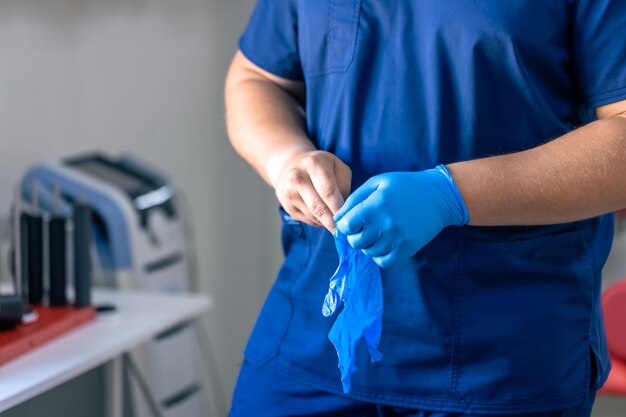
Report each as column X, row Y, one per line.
column 34, row 246
column 137, row 237
column 11, row 311
column 57, row 250
column 82, row 258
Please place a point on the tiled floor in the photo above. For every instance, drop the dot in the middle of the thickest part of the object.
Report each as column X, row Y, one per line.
column 609, row 407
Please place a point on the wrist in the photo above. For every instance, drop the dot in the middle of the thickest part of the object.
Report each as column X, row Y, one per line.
column 458, row 214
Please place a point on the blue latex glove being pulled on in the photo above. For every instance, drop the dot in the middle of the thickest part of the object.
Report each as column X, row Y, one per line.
column 394, row 215
column 384, row 222
column 357, row 283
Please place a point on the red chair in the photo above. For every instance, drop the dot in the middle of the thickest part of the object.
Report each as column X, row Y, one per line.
column 614, row 308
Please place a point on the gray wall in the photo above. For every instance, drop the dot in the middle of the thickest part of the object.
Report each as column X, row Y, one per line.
column 145, row 76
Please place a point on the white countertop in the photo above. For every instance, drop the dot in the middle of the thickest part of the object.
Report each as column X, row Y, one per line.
column 140, row 316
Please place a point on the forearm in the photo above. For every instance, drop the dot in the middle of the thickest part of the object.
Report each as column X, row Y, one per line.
column 579, row 175
column 267, row 128
column 264, row 120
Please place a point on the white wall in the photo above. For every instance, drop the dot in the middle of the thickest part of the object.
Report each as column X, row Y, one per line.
column 145, row 76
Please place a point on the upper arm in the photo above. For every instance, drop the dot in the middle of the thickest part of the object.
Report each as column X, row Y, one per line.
column 269, row 50
column 242, row 69
column 612, row 110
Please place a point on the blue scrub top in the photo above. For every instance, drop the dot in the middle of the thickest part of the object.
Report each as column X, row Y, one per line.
column 483, row 319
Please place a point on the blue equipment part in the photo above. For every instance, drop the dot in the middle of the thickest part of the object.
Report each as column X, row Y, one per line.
column 115, row 250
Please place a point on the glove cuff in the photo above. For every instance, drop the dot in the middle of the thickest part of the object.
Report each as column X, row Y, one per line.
column 459, row 199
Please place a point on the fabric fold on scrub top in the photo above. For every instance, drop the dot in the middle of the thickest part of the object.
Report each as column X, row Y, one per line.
column 357, row 283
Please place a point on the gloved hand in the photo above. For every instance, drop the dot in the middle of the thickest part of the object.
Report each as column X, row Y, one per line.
column 394, row 215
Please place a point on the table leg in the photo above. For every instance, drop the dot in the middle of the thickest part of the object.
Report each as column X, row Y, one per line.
column 114, row 388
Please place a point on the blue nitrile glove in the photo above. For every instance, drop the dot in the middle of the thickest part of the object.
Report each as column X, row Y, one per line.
column 357, row 283
column 394, row 215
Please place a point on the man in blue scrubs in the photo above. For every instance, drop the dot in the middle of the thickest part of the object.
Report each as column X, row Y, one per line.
column 465, row 135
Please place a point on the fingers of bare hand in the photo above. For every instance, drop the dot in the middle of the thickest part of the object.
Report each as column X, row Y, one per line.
column 322, row 174
column 297, row 214
column 317, row 207
column 291, row 199
column 343, row 175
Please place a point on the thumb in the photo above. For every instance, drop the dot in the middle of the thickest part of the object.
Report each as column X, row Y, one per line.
column 356, row 197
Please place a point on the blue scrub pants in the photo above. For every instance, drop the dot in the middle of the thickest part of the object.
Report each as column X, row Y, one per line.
column 263, row 393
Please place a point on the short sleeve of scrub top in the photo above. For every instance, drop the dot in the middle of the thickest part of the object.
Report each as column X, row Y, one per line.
column 271, row 39
column 599, row 50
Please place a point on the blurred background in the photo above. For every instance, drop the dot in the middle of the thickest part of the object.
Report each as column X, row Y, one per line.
column 146, row 77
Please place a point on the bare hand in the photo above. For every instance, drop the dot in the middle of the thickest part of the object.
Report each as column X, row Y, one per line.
column 313, row 186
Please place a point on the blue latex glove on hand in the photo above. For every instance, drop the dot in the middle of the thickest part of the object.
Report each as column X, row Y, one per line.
column 394, row 215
